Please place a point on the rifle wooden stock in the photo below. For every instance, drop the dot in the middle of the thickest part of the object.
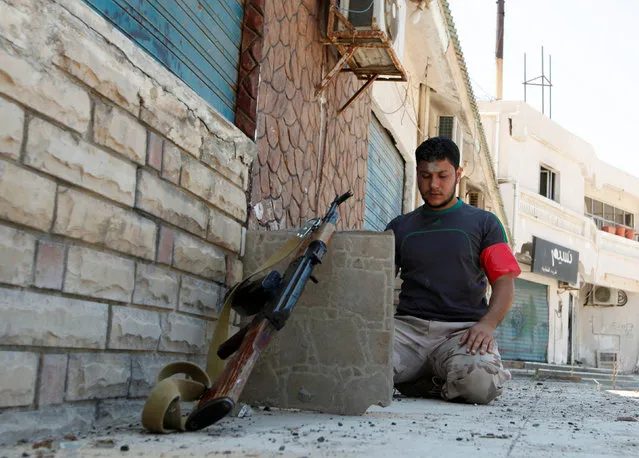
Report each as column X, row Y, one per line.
column 225, row 392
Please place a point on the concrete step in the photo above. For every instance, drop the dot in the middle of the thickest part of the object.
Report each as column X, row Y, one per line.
column 561, row 367
column 604, row 381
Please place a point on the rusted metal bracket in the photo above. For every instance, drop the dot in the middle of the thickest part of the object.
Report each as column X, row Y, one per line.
column 359, row 92
column 353, row 43
column 336, row 69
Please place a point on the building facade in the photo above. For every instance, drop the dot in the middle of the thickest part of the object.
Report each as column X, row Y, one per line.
column 140, row 141
column 573, row 220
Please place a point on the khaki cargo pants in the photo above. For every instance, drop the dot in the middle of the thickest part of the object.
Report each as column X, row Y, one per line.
column 429, row 361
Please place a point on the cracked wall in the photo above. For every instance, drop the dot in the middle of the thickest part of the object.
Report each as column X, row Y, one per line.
column 122, row 210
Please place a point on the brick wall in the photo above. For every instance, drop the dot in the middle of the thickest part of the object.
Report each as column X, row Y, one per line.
column 307, row 152
column 122, row 210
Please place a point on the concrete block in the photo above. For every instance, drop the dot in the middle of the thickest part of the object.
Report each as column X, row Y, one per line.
column 225, row 231
column 46, row 91
column 26, row 198
column 96, row 274
column 12, row 128
column 199, row 297
column 46, row 423
column 59, row 153
column 335, row 352
column 144, row 372
column 28, row 318
column 165, row 201
column 119, row 131
column 212, row 187
column 183, row 334
column 155, row 286
column 165, row 245
column 220, row 154
column 172, row 118
column 171, row 163
column 235, row 273
column 96, row 66
column 17, row 249
column 98, row 376
column 134, row 329
column 155, row 150
column 52, row 379
column 17, row 378
column 198, row 257
column 81, row 216
column 49, row 265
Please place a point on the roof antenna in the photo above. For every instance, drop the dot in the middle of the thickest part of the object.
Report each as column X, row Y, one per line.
column 541, row 81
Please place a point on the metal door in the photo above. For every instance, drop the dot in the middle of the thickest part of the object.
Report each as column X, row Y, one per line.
column 197, row 40
column 523, row 335
column 385, row 181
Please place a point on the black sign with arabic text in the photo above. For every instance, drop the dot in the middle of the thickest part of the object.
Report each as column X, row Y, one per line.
column 556, row 261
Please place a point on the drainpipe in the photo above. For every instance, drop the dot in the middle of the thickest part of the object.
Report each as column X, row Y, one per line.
column 515, row 184
column 497, row 143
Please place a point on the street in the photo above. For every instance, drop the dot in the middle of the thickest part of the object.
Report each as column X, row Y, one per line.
column 532, row 418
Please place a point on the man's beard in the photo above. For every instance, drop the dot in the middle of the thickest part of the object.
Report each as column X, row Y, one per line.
column 443, row 204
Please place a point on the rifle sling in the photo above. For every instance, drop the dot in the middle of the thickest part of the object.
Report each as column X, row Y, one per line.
column 162, row 412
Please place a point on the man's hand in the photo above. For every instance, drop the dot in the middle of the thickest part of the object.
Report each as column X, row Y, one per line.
column 479, row 337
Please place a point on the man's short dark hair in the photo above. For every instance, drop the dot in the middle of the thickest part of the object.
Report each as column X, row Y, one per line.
column 438, row 149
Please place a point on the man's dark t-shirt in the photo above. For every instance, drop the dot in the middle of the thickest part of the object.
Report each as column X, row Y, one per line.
column 440, row 256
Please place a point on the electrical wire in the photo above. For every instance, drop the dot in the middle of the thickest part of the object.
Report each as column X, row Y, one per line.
column 358, row 11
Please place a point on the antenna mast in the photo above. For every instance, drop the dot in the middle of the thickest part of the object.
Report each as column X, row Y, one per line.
column 543, row 81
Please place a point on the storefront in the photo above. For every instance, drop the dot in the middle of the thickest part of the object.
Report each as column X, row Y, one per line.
column 524, row 334
column 385, row 181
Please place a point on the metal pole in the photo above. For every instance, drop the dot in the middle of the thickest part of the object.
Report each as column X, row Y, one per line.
column 525, row 84
column 550, row 81
column 499, row 50
column 543, row 92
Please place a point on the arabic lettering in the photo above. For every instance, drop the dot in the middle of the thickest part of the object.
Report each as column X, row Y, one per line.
column 560, row 256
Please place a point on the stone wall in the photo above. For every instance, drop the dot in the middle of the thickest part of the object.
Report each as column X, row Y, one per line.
column 122, row 211
column 307, row 152
column 335, row 353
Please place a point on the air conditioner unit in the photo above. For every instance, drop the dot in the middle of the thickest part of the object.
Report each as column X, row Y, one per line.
column 602, row 295
column 388, row 16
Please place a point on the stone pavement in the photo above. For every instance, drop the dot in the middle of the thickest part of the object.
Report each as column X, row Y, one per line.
column 532, row 418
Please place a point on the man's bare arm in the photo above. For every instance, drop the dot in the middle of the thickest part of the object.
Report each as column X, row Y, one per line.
column 480, row 337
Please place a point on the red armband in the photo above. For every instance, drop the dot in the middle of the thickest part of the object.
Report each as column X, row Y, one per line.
column 498, row 260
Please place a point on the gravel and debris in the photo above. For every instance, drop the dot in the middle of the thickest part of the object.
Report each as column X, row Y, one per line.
column 531, row 419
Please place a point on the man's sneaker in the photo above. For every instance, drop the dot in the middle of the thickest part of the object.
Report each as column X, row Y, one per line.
column 425, row 387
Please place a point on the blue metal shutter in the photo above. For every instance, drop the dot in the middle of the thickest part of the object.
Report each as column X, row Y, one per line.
column 523, row 335
column 198, row 40
column 385, row 182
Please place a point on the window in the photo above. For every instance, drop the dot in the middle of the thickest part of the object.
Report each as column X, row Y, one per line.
column 474, row 198
column 607, row 215
column 446, row 126
column 547, row 180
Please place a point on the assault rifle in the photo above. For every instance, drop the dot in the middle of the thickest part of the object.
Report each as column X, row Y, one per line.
column 270, row 300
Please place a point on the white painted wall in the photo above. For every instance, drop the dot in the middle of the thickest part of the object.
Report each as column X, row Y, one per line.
column 609, row 329
column 520, row 140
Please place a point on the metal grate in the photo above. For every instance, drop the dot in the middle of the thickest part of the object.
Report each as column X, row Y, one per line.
column 446, row 124
column 474, row 199
column 607, row 359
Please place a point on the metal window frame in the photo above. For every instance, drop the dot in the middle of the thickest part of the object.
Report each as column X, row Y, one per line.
column 601, row 221
column 551, row 183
